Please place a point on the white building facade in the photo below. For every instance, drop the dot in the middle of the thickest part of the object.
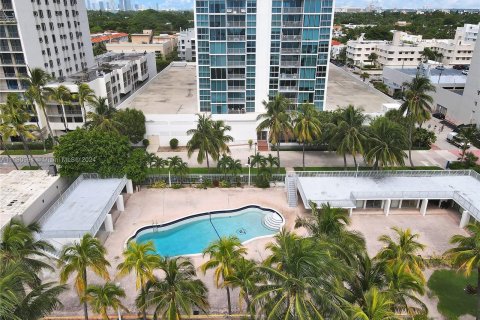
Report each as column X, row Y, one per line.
column 186, row 47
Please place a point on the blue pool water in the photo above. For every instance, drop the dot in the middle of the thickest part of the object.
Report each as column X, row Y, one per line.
column 193, row 237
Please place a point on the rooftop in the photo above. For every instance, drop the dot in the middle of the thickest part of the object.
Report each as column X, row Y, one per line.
column 446, row 76
column 172, row 91
column 19, row 189
column 107, row 37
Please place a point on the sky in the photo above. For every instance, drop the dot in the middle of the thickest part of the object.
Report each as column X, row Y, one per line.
column 386, row 4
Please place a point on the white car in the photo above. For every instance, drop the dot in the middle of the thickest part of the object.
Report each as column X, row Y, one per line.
column 454, row 139
column 465, row 72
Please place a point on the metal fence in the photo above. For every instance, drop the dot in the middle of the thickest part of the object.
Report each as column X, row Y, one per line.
column 201, row 178
column 387, row 173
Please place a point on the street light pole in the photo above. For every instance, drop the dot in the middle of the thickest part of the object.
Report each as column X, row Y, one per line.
column 249, row 166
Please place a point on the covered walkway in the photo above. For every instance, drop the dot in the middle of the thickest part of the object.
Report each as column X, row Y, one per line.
column 389, row 189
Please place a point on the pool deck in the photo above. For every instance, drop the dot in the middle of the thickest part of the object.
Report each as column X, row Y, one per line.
column 161, row 205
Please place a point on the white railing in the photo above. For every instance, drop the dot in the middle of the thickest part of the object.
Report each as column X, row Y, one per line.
column 387, row 173
column 290, row 50
column 288, row 88
column 289, row 76
column 236, row 10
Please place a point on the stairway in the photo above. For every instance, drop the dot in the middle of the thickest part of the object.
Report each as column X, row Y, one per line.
column 263, row 145
column 291, row 188
column 272, row 221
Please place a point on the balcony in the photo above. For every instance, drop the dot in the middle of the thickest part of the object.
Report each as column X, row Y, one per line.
column 292, row 24
column 13, row 75
column 288, row 88
column 236, row 38
column 290, row 63
column 236, row 63
column 291, row 37
column 236, row 10
column 236, row 24
column 236, row 76
column 7, row 18
column 236, row 50
column 292, row 10
column 236, row 100
column 291, row 50
column 6, row 6
column 236, row 111
column 236, row 88
column 289, row 76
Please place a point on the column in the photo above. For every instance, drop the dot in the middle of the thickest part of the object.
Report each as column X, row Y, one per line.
column 350, row 212
column 120, row 204
column 400, row 204
column 382, row 205
column 465, row 219
column 423, row 208
column 418, row 204
column 386, row 206
column 108, row 223
column 129, row 186
column 364, row 204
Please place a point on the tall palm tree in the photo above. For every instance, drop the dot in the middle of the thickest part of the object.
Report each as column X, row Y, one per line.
column 36, row 81
column 223, row 164
column 466, row 255
column 303, row 281
column 272, row 161
column 245, row 277
column 220, row 130
column 277, row 120
column 403, row 248
column 223, row 255
column 417, row 105
column 103, row 297
column 14, row 116
column 387, row 141
column 140, row 259
column 78, row 258
column 349, row 135
column 84, row 95
column 177, row 166
column 378, row 306
column 369, row 273
column 102, row 118
column 6, row 132
column 62, row 95
column 257, row 160
column 307, row 126
column 466, row 135
column 177, row 292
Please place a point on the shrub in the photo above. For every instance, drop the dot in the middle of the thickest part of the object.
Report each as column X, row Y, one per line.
column 225, row 184
column 145, row 142
column 216, row 183
column 160, row 184
column 31, row 168
column 207, row 183
column 250, row 143
column 174, row 143
column 36, row 145
column 423, row 139
column 177, row 186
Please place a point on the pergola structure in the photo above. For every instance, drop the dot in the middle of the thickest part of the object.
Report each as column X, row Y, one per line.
column 354, row 189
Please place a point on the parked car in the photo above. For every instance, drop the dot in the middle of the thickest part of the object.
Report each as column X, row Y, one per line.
column 465, row 72
column 454, row 139
column 440, row 67
column 460, row 67
column 438, row 115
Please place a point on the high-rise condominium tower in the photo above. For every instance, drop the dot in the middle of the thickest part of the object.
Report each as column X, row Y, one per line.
column 250, row 50
column 48, row 34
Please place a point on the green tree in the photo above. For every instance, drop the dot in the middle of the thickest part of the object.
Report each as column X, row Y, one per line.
column 177, row 292
column 466, row 135
column 84, row 95
column 223, row 164
column 62, row 95
column 103, row 297
column 378, row 306
column 272, row 162
column 99, row 48
column 465, row 255
column 6, row 132
column 223, row 254
column 140, row 259
column 307, row 126
column 177, row 166
column 220, row 130
column 93, row 151
column 136, row 166
column 373, row 57
column 417, row 105
column 277, row 120
column 132, row 124
column 387, row 141
column 364, row 76
column 77, row 258
column 368, row 273
column 103, row 116
column 257, row 160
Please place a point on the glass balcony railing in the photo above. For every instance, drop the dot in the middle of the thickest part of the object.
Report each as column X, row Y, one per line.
column 292, row 24
column 290, row 63
column 236, row 63
column 292, row 9
column 292, row 37
column 236, row 10
column 236, row 38
column 291, row 50
column 288, row 88
column 236, row 76
column 236, row 50
column 236, row 24
column 289, row 76
column 236, row 88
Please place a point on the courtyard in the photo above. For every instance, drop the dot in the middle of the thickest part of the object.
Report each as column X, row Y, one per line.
column 154, row 206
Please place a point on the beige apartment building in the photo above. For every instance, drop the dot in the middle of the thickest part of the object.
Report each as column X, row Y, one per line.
column 146, row 42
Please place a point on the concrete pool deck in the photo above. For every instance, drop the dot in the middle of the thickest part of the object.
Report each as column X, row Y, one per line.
column 160, row 205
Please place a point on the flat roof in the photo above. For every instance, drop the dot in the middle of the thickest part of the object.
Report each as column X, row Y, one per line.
column 342, row 189
column 19, row 189
column 438, row 76
column 172, row 91
column 82, row 207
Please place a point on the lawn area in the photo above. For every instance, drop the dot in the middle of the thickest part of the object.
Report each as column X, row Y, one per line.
column 448, row 286
column 22, row 152
column 365, row 168
column 206, row 171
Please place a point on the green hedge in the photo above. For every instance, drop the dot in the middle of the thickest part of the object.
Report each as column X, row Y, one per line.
column 37, row 145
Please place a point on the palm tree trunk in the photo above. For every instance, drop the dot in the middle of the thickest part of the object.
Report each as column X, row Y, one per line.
column 142, row 289
column 344, row 161
column 354, row 160
column 410, row 142
column 478, row 293
column 4, row 147
column 85, row 307
column 228, row 301
column 64, row 118
column 48, row 125
column 278, row 156
column 303, row 156
column 208, row 162
column 25, row 148
column 27, row 151
column 249, row 304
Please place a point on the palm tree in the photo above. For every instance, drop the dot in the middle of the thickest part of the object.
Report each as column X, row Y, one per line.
column 6, row 132
column 177, row 292
column 102, row 297
column 13, row 115
column 245, row 277
column 369, row 273
column 205, row 139
column 140, row 259
column 223, row 255
column 36, row 81
column 307, row 126
column 235, row 166
column 221, row 137
column 466, row 254
column 272, row 161
column 378, row 306
column 349, row 135
column 373, row 57
column 387, row 141
column 302, row 281
column 258, row 160
column 84, row 94
column 364, row 76
column 103, row 116
column 177, row 166
column 404, row 248
column 417, row 105
column 223, row 164
column 80, row 256
column 466, row 135
column 62, row 95
column 277, row 120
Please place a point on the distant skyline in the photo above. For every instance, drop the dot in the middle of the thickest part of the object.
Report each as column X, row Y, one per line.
column 385, row 4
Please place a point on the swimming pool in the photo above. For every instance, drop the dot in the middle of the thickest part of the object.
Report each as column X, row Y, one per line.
column 192, row 234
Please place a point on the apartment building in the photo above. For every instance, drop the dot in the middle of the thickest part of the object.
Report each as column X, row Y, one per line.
column 162, row 45
column 242, row 43
column 115, row 76
column 109, row 37
column 186, row 47
column 48, row 34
